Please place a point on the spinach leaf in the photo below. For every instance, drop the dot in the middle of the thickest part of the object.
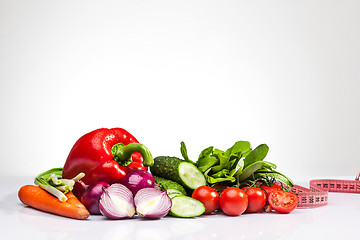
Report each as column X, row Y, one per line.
column 238, row 163
column 239, row 149
column 206, row 152
column 258, row 154
column 237, row 170
column 279, row 176
column 183, row 151
column 213, row 180
column 251, row 169
column 206, row 162
column 223, row 160
column 269, row 165
column 220, row 174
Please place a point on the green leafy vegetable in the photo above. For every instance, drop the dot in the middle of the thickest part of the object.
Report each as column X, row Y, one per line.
column 222, row 158
column 251, row 169
column 258, row 154
column 213, row 180
column 183, row 151
column 279, row 176
column 237, row 169
column 237, row 165
column 205, row 163
column 205, row 160
column 239, row 149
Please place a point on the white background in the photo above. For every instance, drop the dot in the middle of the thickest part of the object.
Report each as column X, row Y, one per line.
column 284, row 73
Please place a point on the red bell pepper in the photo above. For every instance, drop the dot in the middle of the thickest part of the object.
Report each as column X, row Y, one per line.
column 106, row 155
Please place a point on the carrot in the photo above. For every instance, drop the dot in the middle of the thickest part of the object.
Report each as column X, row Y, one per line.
column 40, row 199
column 73, row 200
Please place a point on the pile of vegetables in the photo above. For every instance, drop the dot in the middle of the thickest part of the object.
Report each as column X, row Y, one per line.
column 109, row 172
column 234, row 181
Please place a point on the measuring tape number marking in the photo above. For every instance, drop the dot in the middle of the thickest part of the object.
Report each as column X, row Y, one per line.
column 317, row 195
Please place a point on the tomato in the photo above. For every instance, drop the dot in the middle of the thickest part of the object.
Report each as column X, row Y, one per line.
column 283, row 202
column 208, row 196
column 219, row 188
column 270, row 189
column 256, row 198
column 233, row 201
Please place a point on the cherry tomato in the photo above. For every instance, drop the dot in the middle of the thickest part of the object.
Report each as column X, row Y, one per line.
column 283, row 202
column 256, row 198
column 233, row 201
column 208, row 196
column 270, row 189
column 219, row 188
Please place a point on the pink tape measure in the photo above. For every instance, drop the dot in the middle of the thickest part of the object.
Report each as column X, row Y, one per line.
column 317, row 195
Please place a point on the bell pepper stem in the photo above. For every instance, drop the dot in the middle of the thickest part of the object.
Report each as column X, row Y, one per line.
column 122, row 153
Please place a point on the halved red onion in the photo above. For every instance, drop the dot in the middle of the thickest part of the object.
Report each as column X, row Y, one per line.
column 117, row 202
column 138, row 179
column 152, row 203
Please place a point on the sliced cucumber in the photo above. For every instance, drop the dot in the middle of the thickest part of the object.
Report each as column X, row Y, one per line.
column 191, row 175
column 180, row 171
column 167, row 184
column 186, row 207
column 173, row 191
column 174, row 194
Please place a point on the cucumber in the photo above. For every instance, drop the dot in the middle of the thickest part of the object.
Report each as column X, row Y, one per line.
column 167, row 184
column 180, row 171
column 182, row 205
column 173, row 191
column 174, row 194
column 186, row 207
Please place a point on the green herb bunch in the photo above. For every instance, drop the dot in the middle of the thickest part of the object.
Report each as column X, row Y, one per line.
column 238, row 165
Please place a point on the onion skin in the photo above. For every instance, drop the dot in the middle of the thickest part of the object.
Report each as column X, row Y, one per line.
column 138, row 179
column 117, row 202
column 152, row 203
column 91, row 197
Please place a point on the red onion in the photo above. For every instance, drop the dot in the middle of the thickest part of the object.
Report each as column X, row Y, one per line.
column 152, row 203
column 117, row 202
column 138, row 179
column 91, row 197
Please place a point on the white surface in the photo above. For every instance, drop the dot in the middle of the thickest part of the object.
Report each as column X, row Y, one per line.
column 337, row 220
column 207, row 72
